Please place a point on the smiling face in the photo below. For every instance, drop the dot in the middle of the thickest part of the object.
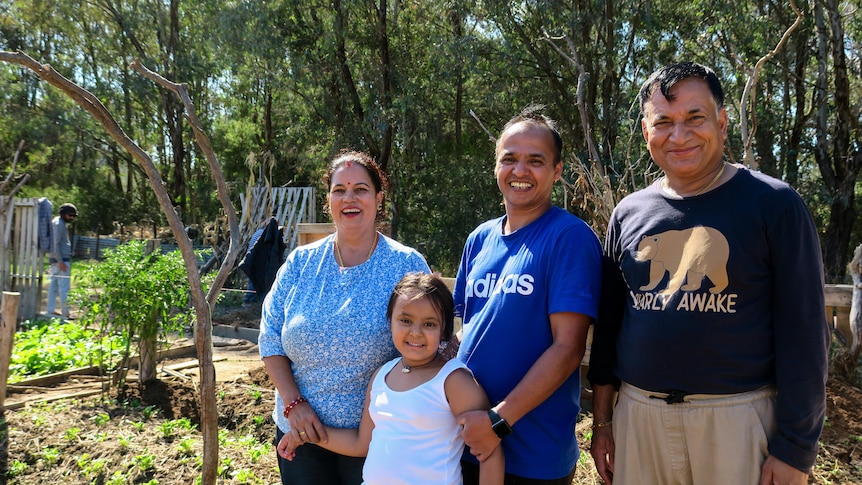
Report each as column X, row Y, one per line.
column 526, row 170
column 417, row 329
column 352, row 198
column 686, row 136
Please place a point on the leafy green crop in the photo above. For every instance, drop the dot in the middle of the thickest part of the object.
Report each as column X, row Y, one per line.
column 48, row 346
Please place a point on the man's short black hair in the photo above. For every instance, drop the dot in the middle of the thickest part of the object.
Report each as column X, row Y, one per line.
column 533, row 115
column 666, row 77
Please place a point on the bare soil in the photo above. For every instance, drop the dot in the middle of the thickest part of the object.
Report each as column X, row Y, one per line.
column 138, row 436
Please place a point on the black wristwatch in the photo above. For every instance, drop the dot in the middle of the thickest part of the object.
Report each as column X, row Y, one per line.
column 499, row 425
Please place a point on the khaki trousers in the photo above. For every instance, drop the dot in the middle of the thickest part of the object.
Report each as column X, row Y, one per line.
column 708, row 439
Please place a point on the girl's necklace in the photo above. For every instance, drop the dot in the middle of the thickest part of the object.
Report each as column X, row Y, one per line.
column 407, row 368
column 338, row 251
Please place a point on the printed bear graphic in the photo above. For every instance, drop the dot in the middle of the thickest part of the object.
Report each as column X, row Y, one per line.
column 688, row 255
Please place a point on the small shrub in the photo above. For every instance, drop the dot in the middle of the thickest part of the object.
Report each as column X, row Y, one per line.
column 101, row 419
column 145, row 461
column 72, row 434
column 50, row 455
column 118, row 478
column 16, row 468
column 140, row 295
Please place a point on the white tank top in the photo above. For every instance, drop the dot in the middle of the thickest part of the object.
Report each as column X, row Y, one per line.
column 416, row 439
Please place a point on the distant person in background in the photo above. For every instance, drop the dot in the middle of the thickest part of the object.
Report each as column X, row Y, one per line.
column 323, row 328
column 61, row 260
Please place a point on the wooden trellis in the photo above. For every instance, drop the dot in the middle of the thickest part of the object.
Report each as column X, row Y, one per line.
column 289, row 205
column 21, row 262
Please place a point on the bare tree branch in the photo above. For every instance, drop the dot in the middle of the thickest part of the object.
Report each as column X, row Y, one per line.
column 482, row 125
column 750, row 92
column 206, row 147
column 203, row 334
column 582, row 108
column 12, row 170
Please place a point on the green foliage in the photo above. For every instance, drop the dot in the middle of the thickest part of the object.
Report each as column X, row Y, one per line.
column 150, row 412
column 72, row 434
column 280, row 105
column 16, row 468
column 170, row 428
column 50, row 455
column 256, row 394
column 186, row 446
column 101, row 419
column 117, row 478
column 124, row 442
column 48, row 346
column 138, row 295
column 145, row 461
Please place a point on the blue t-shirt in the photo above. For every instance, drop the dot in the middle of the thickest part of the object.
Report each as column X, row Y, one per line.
column 507, row 288
column 331, row 323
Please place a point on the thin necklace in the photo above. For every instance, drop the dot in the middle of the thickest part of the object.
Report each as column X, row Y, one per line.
column 666, row 187
column 407, row 368
column 338, row 251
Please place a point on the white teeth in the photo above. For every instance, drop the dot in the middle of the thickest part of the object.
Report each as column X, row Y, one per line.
column 350, row 211
column 521, row 185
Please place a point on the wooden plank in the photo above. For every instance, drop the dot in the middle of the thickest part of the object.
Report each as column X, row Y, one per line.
column 190, row 364
column 838, row 295
column 307, row 233
column 174, row 373
column 229, row 331
column 73, row 395
column 838, row 301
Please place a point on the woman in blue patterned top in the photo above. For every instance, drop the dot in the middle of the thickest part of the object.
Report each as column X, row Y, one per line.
column 323, row 327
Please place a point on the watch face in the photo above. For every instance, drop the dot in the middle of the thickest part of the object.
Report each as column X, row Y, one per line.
column 502, row 429
column 499, row 425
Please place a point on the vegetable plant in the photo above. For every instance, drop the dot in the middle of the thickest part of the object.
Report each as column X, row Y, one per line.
column 141, row 295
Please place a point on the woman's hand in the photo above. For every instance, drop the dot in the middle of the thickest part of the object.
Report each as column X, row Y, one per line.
column 304, row 421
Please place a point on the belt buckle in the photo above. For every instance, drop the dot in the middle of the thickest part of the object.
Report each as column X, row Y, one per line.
column 673, row 397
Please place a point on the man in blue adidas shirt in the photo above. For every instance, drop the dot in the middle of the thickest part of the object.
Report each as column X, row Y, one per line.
column 527, row 290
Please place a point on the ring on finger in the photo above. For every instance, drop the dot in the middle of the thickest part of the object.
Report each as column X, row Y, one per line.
column 302, row 433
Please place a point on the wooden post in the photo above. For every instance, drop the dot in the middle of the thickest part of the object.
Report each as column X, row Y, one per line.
column 855, row 317
column 9, row 312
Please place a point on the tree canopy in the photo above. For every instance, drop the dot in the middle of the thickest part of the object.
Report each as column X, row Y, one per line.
column 283, row 85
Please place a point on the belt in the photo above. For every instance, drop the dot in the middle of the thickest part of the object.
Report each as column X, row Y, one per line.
column 52, row 260
column 672, row 397
column 683, row 397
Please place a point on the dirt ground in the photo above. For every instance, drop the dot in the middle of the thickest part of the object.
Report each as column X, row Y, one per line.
column 141, row 436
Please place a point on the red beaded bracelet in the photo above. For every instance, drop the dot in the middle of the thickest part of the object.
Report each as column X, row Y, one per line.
column 296, row 402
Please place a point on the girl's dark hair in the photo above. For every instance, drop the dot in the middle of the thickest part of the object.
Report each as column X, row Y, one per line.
column 414, row 286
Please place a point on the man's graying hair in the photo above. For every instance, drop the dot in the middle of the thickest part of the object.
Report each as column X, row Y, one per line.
column 666, row 77
column 532, row 115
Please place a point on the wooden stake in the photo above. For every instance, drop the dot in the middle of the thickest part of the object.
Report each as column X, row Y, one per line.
column 9, row 312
